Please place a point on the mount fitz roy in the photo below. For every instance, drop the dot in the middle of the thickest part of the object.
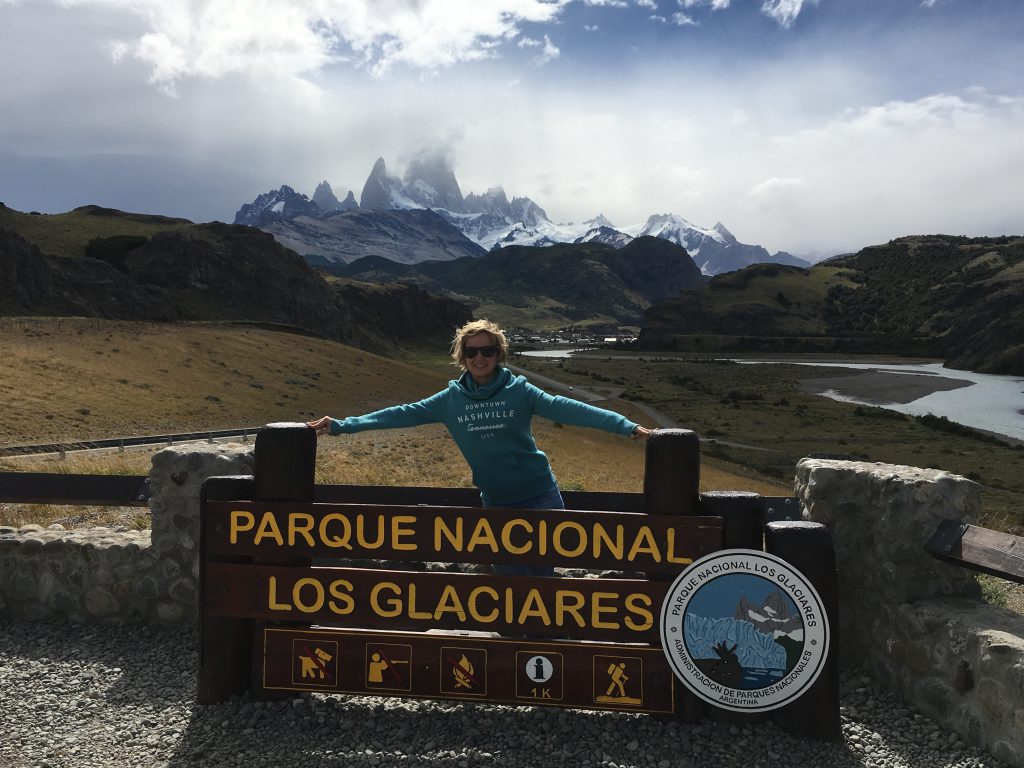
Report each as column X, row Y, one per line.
column 424, row 216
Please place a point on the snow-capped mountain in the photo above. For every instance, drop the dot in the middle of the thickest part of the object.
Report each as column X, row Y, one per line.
column 492, row 221
column 772, row 617
column 605, row 234
column 281, row 204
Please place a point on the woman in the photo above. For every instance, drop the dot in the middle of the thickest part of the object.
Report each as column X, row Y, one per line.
column 488, row 412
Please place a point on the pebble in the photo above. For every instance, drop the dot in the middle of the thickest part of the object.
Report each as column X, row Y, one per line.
column 73, row 696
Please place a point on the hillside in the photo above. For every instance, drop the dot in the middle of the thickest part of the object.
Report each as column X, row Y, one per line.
column 344, row 236
column 96, row 262
column 585, row 284
column 955, row 297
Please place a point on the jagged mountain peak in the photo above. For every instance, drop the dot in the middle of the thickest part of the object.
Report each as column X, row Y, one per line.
column 378, row 187
column 324, row 197
column 728, row 236
column 275, row 205
column 599, row 221
column 430, row 181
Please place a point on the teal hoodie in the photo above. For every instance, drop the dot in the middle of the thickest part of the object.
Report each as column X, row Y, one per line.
column 491, row 426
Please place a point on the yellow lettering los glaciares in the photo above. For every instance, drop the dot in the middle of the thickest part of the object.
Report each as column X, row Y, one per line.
column 483, row 604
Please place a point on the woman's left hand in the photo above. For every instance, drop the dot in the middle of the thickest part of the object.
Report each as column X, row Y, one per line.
column 641, row 433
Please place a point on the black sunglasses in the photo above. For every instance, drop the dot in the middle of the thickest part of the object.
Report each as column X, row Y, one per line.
column 470, row 352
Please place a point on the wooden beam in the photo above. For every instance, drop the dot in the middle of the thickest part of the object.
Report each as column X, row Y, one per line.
column 61, row 488
column 980, row 549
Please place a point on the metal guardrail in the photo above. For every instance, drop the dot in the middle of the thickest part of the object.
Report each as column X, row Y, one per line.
column 125, row 442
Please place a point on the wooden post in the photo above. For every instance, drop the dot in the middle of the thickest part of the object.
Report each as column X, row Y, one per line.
column 223, row 643
column 808, row 547
column 743, row 517
column 285, row 462
column 672, row 487
column 672, row 472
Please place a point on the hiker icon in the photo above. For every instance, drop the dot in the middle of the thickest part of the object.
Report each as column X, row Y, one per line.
column 619, row 678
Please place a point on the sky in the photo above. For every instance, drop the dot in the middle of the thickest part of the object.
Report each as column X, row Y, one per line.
column 812, row 126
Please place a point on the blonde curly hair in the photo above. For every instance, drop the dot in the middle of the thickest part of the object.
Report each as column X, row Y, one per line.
column 472, row 329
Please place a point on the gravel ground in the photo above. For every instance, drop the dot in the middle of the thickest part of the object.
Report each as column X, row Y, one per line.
column 81, row 696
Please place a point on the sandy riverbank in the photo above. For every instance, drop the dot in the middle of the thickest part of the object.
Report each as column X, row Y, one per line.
column 881, row 387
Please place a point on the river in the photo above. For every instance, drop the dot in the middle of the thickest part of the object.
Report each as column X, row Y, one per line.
column 980, row 400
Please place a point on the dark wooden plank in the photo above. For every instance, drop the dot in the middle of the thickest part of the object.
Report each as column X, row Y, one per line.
column 980, row 549
column 599, row 609
column 567, row 538
column 398, row 495
column 466, row 668
column 60, row 488
column 465, row 497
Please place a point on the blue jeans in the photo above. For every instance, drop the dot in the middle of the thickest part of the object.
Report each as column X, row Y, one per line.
column 548, row 500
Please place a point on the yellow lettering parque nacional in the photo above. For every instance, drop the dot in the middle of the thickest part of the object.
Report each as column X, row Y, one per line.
column 483, row 604
column 454, row 534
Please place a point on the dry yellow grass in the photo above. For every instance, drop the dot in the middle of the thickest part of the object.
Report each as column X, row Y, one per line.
column 84, row 379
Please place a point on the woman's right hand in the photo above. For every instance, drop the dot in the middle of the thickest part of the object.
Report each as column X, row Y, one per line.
column 322, row 426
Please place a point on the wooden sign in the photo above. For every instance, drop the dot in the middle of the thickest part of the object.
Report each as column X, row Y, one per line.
column 466, row 667
column 663, row 544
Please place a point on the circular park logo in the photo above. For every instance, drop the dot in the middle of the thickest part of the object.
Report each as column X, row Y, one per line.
column 744, row 630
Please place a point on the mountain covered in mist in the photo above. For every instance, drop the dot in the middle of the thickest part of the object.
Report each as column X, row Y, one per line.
column 319, row 226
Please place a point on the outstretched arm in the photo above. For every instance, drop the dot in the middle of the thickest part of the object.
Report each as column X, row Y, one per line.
column 427, row 411
column 576, row 413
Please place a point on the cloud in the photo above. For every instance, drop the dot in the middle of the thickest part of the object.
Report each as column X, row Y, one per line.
column 549, row 53
column 649, row 4
column 784, row 12
column 591, row 27
column 215, row 38
column 679, row 18
column 943, row 163
column 774, row 186
column 716, row 5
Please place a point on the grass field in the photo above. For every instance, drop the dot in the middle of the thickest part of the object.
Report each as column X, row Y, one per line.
column 72, row 379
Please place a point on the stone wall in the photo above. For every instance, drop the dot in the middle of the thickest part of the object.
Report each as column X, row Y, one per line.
column 917, row 623
column 117, row 575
